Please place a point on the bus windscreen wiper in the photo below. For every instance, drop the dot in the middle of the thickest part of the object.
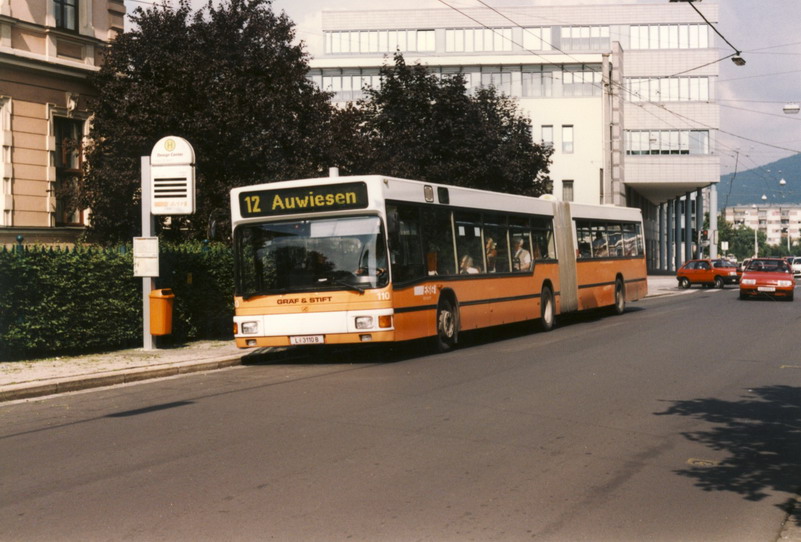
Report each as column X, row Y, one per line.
column 340, row 282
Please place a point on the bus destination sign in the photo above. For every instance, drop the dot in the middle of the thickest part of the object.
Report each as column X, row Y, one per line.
column 309, row 199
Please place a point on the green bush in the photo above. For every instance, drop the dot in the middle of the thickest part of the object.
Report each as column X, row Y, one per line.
column 56, row 302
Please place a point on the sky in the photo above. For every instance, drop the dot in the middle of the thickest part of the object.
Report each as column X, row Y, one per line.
column 754, row 131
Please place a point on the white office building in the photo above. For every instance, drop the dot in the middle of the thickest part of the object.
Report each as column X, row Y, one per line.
column 624, row 91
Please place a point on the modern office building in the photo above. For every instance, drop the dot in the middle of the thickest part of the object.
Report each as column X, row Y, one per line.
column 48, row 49
column 624, row 91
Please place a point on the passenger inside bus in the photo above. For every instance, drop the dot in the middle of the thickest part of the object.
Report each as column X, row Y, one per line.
column 466, row 266
column 599, row 246
column 522, row 257
column 491, row 250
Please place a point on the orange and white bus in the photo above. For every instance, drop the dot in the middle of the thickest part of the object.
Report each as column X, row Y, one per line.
column 378, row 259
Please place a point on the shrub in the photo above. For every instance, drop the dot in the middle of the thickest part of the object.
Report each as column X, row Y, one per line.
column 55, row 302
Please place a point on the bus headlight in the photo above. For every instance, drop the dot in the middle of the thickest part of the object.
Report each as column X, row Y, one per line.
column 364, row 322
column 250, row 328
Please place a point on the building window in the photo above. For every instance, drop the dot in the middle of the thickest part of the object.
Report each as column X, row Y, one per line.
column 538, row 81
column 667, row 89
column 470, row 40
column 66, row 14
column 641, row 142
column 537, row 39
column 684, row 36
column 567, row 139
column 502, row 81
column 547, row 136
column 582, row 81
column 585, row 38
column 346, row 87
column 68, row 159
column 567, row 190
column 377, row 41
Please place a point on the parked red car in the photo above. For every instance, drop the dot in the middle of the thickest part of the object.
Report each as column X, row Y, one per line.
column 767, row 277
column 707, row 272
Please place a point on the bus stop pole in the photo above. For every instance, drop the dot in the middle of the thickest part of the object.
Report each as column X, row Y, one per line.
column 148, row 225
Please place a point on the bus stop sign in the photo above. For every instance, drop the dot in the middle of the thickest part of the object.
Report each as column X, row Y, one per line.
column 172, row 179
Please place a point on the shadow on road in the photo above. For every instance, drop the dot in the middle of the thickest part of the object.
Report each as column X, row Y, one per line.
column 395, row 352
column 761, row 433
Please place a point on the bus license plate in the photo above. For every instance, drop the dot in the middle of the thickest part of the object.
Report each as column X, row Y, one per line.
column 306, row 339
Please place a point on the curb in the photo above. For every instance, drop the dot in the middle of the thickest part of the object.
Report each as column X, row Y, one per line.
column 136, row 375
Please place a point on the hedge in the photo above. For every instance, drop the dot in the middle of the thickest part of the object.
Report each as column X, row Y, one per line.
column 81, row 300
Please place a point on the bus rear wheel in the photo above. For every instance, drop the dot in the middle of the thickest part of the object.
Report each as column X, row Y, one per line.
column 446, row 326
column 620, row 298
column 547, row 310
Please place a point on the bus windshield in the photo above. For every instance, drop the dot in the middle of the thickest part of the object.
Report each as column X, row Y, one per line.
column 311, row 255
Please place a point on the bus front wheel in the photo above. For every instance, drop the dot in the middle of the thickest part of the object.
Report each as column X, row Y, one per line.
column 446, row 326
column 547, row 310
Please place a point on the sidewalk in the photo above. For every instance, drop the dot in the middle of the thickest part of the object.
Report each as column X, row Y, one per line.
column 28, row 379
column 38, row 378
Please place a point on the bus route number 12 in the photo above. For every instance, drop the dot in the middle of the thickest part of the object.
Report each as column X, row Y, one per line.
column 253, row 204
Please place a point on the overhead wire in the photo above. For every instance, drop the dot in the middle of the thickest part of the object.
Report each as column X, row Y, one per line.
column 689, row 122
column 713, row 27
column 642, row 105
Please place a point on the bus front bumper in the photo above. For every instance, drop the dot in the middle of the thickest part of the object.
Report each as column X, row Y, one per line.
column 338, row 327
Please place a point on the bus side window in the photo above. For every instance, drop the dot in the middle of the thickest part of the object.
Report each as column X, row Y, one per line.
column 600, row 244
column 549, row 250
column 615, row 240
column 584, row 235
column 469, row 243
column 522, row 259
column 406, row 249
column 542, row 242
column 496, row 244
column 438, row 241
column 631, row 242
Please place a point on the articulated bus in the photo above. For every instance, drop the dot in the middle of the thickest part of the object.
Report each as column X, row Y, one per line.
column 377, row 259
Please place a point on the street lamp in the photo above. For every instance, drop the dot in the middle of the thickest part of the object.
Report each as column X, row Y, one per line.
column 791, row 109
column 756, row 230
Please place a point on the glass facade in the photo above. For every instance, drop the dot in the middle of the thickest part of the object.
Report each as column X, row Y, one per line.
column 667, row 89
column 641, row 142
column 669, row 36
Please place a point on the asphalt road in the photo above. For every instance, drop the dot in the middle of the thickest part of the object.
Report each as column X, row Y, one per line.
column 677, row 421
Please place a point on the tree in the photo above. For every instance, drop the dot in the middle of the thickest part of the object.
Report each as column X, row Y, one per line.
column 418, row 125
column 226, row 78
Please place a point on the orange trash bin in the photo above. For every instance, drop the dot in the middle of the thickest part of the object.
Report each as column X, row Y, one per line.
column 161, row 311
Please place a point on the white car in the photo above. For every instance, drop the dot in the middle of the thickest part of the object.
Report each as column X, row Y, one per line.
column 796, row 265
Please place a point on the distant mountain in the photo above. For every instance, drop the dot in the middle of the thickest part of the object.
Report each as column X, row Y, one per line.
column 750, row 185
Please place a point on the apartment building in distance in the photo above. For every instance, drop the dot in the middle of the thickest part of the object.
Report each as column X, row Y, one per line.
column 780, row 223
column 624, row 92
column 48, row 49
